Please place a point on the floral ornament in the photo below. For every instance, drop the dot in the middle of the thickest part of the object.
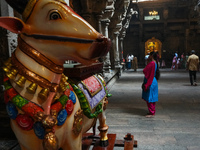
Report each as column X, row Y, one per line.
column 78, row 122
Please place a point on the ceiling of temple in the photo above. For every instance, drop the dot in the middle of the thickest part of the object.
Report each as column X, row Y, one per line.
column 139, row 1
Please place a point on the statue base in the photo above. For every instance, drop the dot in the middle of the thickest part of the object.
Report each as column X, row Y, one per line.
column 94, row 140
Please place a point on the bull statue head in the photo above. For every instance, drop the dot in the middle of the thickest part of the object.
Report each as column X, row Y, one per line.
column 54, row 29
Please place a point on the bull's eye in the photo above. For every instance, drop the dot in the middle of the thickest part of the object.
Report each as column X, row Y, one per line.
column 54, row 16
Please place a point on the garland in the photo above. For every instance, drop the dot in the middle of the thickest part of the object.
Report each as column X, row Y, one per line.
column 33, row 114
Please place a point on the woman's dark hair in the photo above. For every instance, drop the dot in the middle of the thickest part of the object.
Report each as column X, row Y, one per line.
column 155, row 57
column 154, row 54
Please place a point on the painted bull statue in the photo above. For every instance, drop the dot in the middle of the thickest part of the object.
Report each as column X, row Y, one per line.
column 47, row 109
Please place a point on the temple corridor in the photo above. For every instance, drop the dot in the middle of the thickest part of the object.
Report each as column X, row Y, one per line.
column 176, row 125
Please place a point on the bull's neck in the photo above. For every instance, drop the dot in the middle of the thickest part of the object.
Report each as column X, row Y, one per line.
column 36, row 67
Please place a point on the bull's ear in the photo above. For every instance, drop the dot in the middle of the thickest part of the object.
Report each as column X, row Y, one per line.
column 12, row 24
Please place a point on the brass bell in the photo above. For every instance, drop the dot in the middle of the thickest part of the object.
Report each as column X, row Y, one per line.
column 64, row 78
column 21, row 81
column 6, row 69
column 44, row 93
column 32, row 88
column 12, row 74
column 63, row 86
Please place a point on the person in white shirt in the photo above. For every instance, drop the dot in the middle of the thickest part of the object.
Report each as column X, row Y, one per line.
column 146, row 57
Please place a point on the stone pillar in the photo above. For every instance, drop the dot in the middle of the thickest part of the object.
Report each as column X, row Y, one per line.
column 116, row 48
column 187, row 32
column 8, row 43
column 141, row 39
column 165, row 16
column 11, row 38
column 99, row 16
column 121, row 49
column 108, row 13
column 106, row 59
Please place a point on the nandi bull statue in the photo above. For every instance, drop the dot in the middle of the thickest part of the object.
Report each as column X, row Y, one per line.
column 48, row 110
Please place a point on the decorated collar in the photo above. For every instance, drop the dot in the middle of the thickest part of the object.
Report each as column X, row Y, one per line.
column 33, row 117
column 38, row 57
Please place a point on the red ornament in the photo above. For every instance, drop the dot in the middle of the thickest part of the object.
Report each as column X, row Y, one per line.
column 57, row 106
column 70, row 87
column 31, row 109
column 67, row 92
column 5, row 79
column 9, row 94
column 69, row 107
column 24, row 122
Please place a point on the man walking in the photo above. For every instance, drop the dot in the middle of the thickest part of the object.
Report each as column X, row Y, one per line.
column 193, row 66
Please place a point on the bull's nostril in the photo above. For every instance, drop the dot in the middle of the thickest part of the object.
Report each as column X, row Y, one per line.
column 99, row 40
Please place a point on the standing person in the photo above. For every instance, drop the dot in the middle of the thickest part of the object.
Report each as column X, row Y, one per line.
column 183, row 61
column 186, row 58
column 127, row 56
column 150, row 84
column 129, row 61
column 193, row 66
column 146, row 56
column 174, row 62
column 163, row 60
column 134, row 63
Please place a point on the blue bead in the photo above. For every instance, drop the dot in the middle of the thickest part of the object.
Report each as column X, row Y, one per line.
column 39, row 130
column 72, row 97
column 62, row 116
column 11, row 110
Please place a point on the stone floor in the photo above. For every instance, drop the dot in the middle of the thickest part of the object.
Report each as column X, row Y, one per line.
column 176, row 125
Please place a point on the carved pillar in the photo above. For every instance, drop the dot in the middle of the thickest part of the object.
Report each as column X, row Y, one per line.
column 142, row 43
column 99, row 17
column 104, row 28
column 106, row 59
column 121, row 49
column 187, row 32
column 11, row 38
column 108, row 13
column 116, row 48
column 165, row 16
column 8, row 43
column 86, row 12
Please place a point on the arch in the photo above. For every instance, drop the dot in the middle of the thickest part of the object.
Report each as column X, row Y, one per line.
column 153, row 44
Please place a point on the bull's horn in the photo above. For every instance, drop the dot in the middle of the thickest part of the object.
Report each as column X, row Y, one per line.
column 18, row 5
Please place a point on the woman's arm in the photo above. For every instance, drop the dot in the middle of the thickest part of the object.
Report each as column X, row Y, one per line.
column 150, row 74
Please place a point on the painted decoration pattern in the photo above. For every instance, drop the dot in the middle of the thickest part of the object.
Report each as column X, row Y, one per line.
column 92, row 84
column 93, row 101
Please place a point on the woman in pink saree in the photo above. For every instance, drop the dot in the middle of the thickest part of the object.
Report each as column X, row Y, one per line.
column 150, row 85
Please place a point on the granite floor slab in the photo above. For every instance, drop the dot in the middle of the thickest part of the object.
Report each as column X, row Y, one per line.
column 176, row 125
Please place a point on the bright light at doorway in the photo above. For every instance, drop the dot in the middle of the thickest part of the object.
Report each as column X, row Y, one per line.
column 137, row 1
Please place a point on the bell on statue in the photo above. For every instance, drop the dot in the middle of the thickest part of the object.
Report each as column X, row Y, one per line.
column 32, row 88
column 21, row 81
column 12, row 74
column 44, row 93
